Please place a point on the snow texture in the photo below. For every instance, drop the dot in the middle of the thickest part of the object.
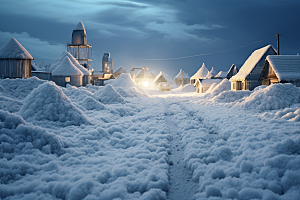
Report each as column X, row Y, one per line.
column 223, row 86
column 221, row 74
column 124, row 80
column 201, row 73
column 13, row 49
column 75, row 62
column 186, row 88
column 48, row 102
column 179, row 75
column 250, row 63
column 66, row 68
column 285, row 67
column 108, row 95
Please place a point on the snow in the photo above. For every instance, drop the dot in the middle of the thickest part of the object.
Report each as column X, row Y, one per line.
column 213, row 72
column 179, row 75
column 224, row 85
column 285, row 67
column 66, row 68
column 175, row 145
column 124, row 80
column 250, row 63
column 13, row 49
column 80, row 26
column 221, row 74
column 201, row 73
column 186, row 88
column 208, row 75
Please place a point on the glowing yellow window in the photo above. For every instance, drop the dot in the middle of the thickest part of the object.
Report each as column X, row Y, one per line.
column 67, row 79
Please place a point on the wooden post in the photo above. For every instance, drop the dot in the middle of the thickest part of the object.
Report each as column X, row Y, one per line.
column 278, row 43
column 182, row 78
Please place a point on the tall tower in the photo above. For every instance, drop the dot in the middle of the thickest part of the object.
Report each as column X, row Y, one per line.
column 107, row 64
column 80, row 48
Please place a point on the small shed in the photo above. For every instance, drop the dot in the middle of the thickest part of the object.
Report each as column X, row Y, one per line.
column 15, row 60
column 159, row 78
column 248, row 76
column 203, row 85
column 281, row 69
column 119, row 71
column 232, row 71
column 182, row 78
column 67, row 73
column 200, row 74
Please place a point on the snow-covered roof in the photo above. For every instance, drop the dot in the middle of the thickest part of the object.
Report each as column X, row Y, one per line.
column 80, row 26
column 179, row 75
column 120, row 70
column 213, row 72
column 208, row 75
column 209, row 82
column 13, row 49
column 201, row 73
column 66, row 68
column 250, row 63
column 75, row 62
column 221, row 74
column 140, row 74
column 286, row 67
column 158, row 76
column 234, row 69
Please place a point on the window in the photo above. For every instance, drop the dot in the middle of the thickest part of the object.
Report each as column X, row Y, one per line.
column 239, row 85
column 67, row 79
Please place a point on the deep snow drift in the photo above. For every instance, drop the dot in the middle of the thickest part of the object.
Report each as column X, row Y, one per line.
column 121, row 142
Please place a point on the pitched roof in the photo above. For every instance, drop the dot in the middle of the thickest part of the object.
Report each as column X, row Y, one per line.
column 213, row 72
column 221, row 74
column 66, row 68
column 209, row 82
column 179, row 75
column 286, row 67
column 13, row 49
column 120, row 70
column 201, row 73
column 250, row 63
column 158, row 76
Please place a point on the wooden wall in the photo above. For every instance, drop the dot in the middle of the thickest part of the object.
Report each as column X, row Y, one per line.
column 15, row 68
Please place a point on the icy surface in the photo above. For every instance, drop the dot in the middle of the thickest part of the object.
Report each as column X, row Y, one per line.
column 175, row 145
column 13, row 49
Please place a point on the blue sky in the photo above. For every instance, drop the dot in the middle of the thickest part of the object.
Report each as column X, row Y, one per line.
column 135, row 31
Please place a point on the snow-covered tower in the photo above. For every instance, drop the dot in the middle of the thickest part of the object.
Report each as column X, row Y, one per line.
column 107, row 64
column 79, row 48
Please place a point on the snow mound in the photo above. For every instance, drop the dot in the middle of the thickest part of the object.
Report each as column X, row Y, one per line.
column 186, row 88
column 17, row 138
column 90, row 103
column 108, row 95
column 124, row 80
column 19, row 88
column 9, row 104
column 210, row 89
column 123, row 92
column 289, row 114
column 230, row 96
column 273, row 97
column 223, row 86
column 48, row 102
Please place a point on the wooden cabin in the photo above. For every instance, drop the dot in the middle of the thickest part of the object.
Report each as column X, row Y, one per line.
column 15, row 60
column 159, row 79
column 67, row 73
column 248, row 76
column 281, row 69
column 182, row 78
column 200, row 74
column 203, row 85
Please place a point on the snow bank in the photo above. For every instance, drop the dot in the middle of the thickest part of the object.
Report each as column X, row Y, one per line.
column 223, row 86
column 273, row 97
column 210, row 89
column 108, row 95
column 186, row 88
column 90, row 103
column 124, row 80
column 123, row 92
column 48, row 102
column 289, row 114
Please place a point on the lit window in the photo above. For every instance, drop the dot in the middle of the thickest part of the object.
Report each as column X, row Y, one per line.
column 67, row 79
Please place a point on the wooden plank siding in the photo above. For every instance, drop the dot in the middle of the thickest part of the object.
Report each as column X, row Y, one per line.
column 15, row 68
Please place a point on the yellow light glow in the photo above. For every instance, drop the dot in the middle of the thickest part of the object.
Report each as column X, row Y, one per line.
column 145, row 83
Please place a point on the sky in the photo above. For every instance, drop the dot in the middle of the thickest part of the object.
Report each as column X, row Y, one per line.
column 144, row 33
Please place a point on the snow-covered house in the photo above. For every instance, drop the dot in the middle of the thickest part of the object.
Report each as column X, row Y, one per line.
column 144, row 76
column 182, row 78
column 67, row 73
column 281, row 69
column 159, row 78
column 119, row 71
column 248, row 76
column 232, row 71
column 203, row 85
column 200, row 74
column 15, row 60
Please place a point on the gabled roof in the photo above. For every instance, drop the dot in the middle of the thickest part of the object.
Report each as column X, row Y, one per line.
column 286, row 67
column 120, row 70
column 66, row 68
column 140, row 74
column 232, row 71
column 250, row 63
column 80, row 26
column 201, row 73
column 179, row 75
column 158, row 76
column 13, row 49
column 208, row 82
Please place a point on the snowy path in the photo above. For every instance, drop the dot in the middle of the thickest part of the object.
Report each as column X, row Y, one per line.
column 181, row 184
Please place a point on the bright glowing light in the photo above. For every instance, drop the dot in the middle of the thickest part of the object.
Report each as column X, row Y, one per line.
column 145, row 83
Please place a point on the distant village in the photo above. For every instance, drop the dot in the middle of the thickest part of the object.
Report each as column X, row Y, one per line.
column 74, row 67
